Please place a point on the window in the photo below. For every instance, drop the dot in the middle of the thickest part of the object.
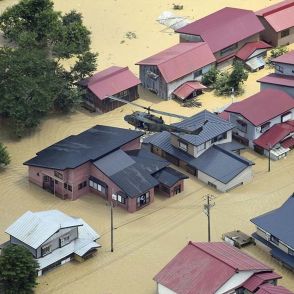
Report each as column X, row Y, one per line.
column 65, row 185
column 123, row 93
column 46, row 250
column 285, row 33
column 121, row 199
column 290, row 252
column 82, row 185
column 56, row 182
column 219, row 138
column 64, row 240
column 197, row 73
column 201, row 147
column 69, row 188
column 93, row 183
column 274, row 239
column 279, row 68
column 183, row 146
column 38, row 174
column 58, row 175
column 143, row 199
column 152, row 75
column 265, row 127
column 229, row 49
column 242, row 126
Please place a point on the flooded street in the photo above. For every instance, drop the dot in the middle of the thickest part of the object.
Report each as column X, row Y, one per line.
column 145, row 240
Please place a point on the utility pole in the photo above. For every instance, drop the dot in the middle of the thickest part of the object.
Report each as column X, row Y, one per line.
column 269, row 158
column 206, row 208
column 111, row 225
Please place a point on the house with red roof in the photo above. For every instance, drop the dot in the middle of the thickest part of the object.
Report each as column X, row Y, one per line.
column 226, row 31
column 264, row 122
column 283, row 77
column 114, row 81
column 213, row 268
column 278, row 22
column 177, row 71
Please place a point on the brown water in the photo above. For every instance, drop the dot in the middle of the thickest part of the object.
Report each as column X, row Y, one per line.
column 146, row 240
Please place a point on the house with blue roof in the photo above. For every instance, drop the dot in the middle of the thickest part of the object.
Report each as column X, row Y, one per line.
column 274, row 232
column 211, row 156
column 106, row 161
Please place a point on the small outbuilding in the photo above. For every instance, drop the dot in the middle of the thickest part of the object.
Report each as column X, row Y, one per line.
column 278, row 22
column 114, row 81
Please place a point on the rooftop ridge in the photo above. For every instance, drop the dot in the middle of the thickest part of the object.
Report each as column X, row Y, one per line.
column 277, row 9
column 98, row 79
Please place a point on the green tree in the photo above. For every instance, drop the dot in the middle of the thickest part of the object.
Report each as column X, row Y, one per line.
column 33, row 78
column 18, row 270
column 276, row 52
column 222, row 84
column 4, row 155
column 209, row 78
column 237, row 77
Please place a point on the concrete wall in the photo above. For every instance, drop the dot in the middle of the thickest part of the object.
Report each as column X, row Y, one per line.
column 286, row 40
column 288, row 90
column 244, row 177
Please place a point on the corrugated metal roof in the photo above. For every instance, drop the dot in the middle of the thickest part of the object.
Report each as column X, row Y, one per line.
column 220, row 164
column 255, row 62
column 279, row 222
column 279, row 16
column 204, row 267
column 169, row 176
column 111, row 81
column 250, row 48
column 275, row 135
column 253, row 108
column 278, row 79
column 215, row 126
column 258, row 279
column 89, row 145
column 224, row 27
column 287, row 58
column 82, row 248
column 271, row 289
column 187, row 89
column 180, row 60
column 34, row 228
column 288, row 143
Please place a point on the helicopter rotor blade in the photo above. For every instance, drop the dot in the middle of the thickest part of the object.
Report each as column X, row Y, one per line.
column 127, row 102
column 167, row 113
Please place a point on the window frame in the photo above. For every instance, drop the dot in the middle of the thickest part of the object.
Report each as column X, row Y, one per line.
column 62, row 238
column 279, row 68
column 274, row 240
column 46, row 252
column 228, row 49
column 264, row 127
column 242, row 126
column 58, row 175
column 184, row 147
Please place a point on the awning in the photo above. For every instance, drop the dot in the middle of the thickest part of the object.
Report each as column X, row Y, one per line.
column 187, row 89
column 255, row 62
column 288, row 143
column 81, row 251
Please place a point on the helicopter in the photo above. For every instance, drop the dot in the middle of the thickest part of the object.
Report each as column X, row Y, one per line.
column 152, row 123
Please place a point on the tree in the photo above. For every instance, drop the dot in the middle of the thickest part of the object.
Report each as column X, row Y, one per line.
column 222, row 84
column 209, row 78
column 4, row 155
column 237, row 76
column 33, row 78
column 276, row 52
column 18, row 270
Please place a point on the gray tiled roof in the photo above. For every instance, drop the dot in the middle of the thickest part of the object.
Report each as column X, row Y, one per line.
column 169, row 176
column 279, row 222
column 89, row 145
column 214, row 127
column 220, row 164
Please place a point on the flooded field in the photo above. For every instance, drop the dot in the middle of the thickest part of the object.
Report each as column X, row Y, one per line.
column 146, row 240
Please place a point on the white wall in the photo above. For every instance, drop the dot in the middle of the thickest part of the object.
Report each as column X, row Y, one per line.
column 287, row 69
column 163, row 290
column 244, row 177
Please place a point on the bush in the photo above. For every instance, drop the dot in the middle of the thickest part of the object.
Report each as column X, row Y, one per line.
column 18, row 270
column 4, row 155
column 209, row 78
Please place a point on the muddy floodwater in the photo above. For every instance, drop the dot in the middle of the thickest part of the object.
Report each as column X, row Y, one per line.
column 146, row 240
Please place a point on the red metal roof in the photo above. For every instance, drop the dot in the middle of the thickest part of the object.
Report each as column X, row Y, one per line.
column 250, row 48
column 111, row 81
column 204, row 267
column 288, row 143
column 271, row 289
column 258, row 279
column 279, row 16
column 224, row 115
column 224, row 27
column 278, row 79
column 187, row 89
column 287, row 58
column 275, row 134
column 263, row 106
column 180, row 60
